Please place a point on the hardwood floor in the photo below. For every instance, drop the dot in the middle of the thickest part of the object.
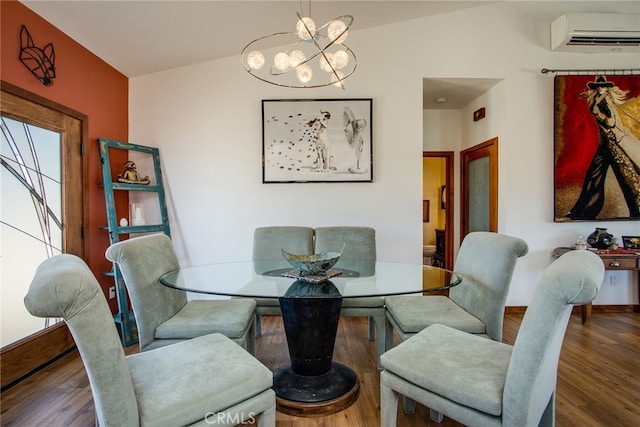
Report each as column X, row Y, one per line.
column 598, row 378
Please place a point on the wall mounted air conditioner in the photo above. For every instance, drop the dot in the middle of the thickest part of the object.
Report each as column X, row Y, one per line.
column 596, row 32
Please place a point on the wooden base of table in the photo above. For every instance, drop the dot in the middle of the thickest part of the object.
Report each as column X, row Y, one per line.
column 315, row 396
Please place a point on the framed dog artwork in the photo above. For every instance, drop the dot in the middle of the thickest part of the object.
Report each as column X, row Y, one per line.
column 317, row 140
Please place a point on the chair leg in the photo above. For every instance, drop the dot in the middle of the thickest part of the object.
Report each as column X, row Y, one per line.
column 388, row 407
column 435, row 416
column 549, row 415
column 257, row 326
column 381, row 343
column 249, row 341
column 267, row 418
column 408, row 405
column 388, row 345
column 372, row 329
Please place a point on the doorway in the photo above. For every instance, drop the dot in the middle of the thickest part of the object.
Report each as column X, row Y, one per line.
column 43, row 213
column 437, row 191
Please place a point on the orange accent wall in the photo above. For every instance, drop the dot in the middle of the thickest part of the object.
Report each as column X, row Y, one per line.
column 84, row 83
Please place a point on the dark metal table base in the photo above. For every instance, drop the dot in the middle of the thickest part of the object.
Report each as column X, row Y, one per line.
column 313, row 384
column 316, row 395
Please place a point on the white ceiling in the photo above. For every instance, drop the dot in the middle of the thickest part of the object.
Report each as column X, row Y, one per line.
column 147, row 36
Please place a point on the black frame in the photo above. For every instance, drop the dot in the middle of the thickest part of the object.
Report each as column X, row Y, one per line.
column 316, row 140
column 631, row 242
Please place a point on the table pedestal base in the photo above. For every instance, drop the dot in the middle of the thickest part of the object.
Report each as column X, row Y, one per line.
column 317, row 395
column 313, row 384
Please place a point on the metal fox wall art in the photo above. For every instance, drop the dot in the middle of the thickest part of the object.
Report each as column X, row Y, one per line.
column 41, row 62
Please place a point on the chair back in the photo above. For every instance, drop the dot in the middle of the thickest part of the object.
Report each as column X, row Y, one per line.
column 268, row 243
column 64, row 286
column 142, row 260
column 574, row 278
column 486, row 262
column 359, row 246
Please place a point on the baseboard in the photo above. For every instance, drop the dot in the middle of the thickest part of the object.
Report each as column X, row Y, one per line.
column 31, row 353
column 623, row 308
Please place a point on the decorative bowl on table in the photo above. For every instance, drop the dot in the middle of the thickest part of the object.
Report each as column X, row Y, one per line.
column 316, row 264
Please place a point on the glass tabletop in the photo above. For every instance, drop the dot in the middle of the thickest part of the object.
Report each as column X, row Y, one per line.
column 275, row 279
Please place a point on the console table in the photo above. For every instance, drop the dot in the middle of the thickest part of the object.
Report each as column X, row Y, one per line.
column 618, row 259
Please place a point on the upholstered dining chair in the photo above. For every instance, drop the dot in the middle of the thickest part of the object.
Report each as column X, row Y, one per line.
column 193, row 382
column 268, row 243
column 486, row 262
column 477, row 381
column 359, row 254
column 165, row 316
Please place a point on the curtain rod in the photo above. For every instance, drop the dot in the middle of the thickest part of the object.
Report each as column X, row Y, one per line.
column 595, row 71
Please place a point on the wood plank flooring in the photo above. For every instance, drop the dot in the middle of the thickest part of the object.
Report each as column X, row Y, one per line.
column 598, row 378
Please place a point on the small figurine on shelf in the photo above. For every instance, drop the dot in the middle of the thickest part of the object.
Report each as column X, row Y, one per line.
column 131, row 175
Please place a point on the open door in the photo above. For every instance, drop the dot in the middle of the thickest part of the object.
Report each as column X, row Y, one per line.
column 441, row 206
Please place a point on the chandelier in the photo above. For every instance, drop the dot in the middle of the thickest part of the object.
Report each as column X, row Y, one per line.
column 316, row 56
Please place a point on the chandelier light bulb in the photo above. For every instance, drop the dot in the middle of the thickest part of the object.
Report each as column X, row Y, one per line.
column 340, row 59
column 336, row 28
column 302, row 31
column 304, row 73
column 281, row 61
column 255, row 60
column 324, row 65
column 296, row 58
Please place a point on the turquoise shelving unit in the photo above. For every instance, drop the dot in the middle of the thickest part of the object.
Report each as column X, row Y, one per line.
column 125, row 318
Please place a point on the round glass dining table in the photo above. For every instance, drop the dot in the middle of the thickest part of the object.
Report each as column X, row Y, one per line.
column 312, row 384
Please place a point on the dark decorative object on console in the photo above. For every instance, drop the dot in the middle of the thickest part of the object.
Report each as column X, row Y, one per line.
column 600, row 238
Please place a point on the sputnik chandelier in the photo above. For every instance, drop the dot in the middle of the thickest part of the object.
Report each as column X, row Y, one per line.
column 316, row 56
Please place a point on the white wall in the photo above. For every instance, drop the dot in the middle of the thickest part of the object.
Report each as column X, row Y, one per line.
column 206, row 120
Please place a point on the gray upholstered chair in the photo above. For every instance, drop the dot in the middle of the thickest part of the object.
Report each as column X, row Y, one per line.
column 486, row 262
column 194, row 382
column 164, row 315
column 359, row 255
column 268, row 243
column 480, row 382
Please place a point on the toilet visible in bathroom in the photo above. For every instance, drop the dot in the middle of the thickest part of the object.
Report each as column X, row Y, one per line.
column 427, row 254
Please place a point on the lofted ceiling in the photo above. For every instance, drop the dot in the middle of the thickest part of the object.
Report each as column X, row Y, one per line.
column 146, row 36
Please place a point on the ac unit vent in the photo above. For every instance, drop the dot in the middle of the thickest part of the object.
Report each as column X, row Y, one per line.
column 607, row 41
column 596, row 32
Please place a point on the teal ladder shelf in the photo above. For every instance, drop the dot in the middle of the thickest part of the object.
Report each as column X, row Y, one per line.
column 125, row 318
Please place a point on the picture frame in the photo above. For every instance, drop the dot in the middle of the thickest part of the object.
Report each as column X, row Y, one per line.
column 588, row 184
column 631, row 242
column 317, row 140
column 425, row 211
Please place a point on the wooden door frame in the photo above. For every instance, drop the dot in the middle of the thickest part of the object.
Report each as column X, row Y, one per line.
column 448, row 157
column 39, row 349
column 485, row 149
